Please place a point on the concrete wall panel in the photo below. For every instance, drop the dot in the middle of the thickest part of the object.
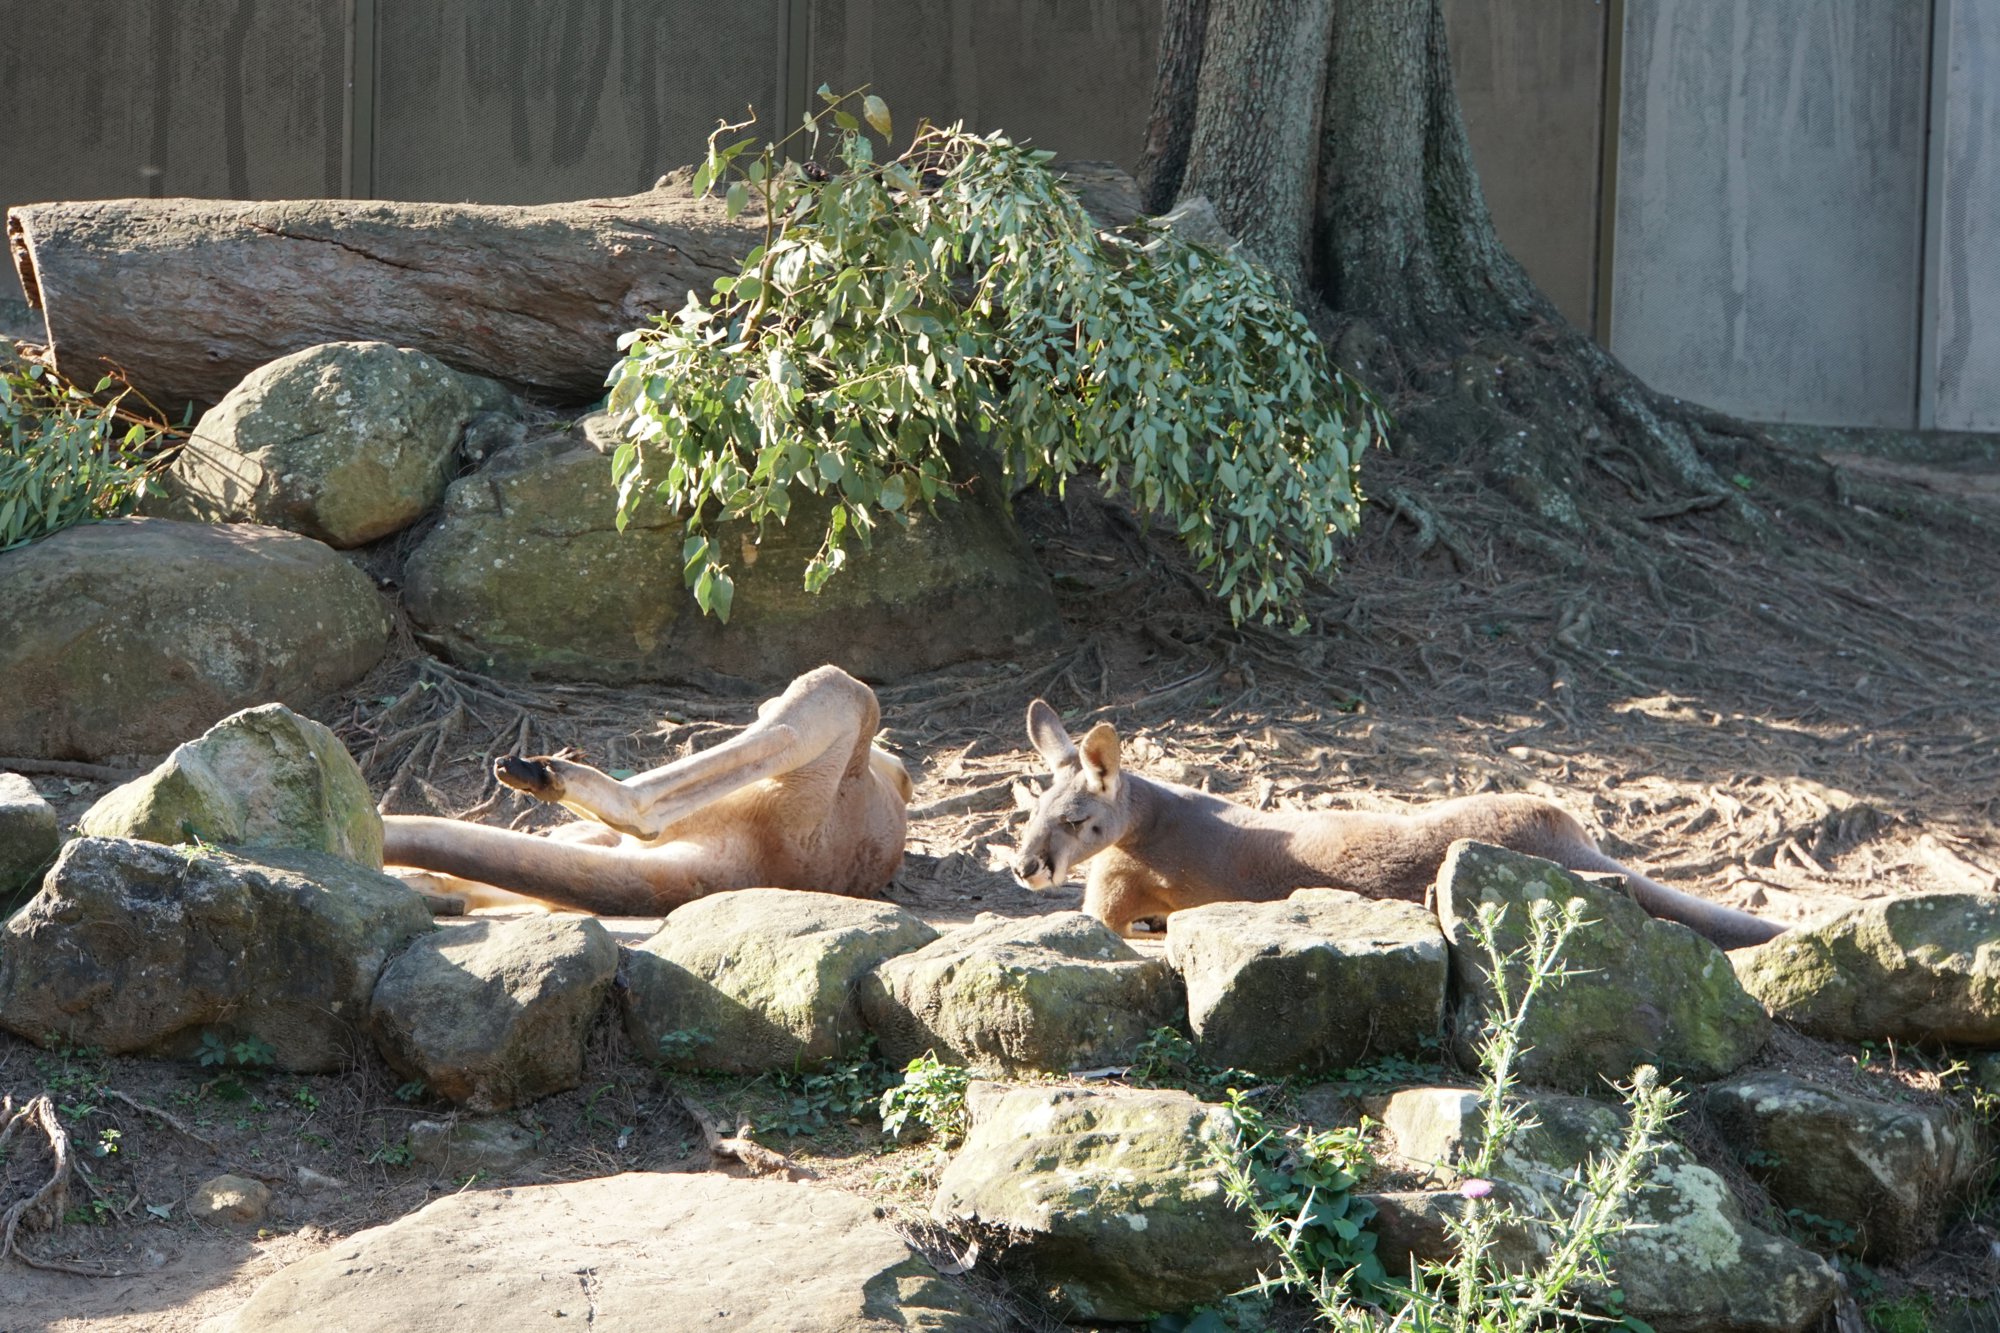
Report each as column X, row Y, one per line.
column 1531, row 81
column 529, row 101
column 1075, row 76
column 1770, row 205
column 1966, row 366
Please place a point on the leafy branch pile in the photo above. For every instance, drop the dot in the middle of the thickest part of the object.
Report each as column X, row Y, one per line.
column 64, row 456
column 898, row 306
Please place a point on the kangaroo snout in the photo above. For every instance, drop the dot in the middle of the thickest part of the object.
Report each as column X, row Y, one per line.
column 1033, row 871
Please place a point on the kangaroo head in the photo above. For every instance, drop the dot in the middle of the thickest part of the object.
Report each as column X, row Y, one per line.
column 1084, row 809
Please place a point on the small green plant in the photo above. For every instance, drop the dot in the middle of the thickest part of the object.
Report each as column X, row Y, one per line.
column 107, row 1143
column 96, row 1213
column 681, row 1044
column 305, row 1097
column 900, row 305
column 1166, row 1059
column 1910, row 1314
column 1828, row 1232
column 1300, row 1185
column 391, row 1154
column 846, row 1091
column 65, row 457
column 932, row 1094
column 413, row 1091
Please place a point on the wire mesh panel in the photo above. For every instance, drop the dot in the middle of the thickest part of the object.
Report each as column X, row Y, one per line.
column 1075, row 76
column 1967, row 337
column 110, row 99
column 1770, row 205
column 530, row 101
column 1531, row 81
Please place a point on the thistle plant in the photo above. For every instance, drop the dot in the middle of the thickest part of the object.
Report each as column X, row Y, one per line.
column 901, row 306
column 1472, row 1292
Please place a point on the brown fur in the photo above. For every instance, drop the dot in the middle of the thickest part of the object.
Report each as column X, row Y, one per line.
column 1156, row 848
column 799, row 799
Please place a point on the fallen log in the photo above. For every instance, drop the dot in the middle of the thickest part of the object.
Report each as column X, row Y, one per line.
column 186, row 296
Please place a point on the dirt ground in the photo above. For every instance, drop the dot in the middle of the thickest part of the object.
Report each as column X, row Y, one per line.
column 1787, row 727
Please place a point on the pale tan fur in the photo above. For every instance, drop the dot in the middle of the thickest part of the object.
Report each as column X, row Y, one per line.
column 799, row 799
column 1156, row 847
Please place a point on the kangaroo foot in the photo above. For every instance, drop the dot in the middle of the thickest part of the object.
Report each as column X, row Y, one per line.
column 534, row 776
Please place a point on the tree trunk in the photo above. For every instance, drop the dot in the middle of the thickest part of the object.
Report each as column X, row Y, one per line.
column 187, row 296
column 1327, row 134
column 1170, row 129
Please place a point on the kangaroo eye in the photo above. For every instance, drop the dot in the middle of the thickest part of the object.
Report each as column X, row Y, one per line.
column 1074, row 824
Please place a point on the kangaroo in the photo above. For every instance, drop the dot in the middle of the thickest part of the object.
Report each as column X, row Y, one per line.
column 800, row 799
column 1159, row 847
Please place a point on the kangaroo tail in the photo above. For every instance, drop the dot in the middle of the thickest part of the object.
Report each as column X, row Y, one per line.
column 607, row 880
column 1726, row 927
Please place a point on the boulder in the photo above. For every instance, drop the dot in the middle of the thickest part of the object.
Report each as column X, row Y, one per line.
column 488, row 1145
column 527, row 575
column 128, row 637
column 1646, row 991
column 1001, row 996
column 491, row 1014
column 139, row 948
column 30, row 837
column 1318, row 982
column 264, row 777
column 1879, row 1175
column 1690, row 1261
column 230, row 1199
column 620, row 1254
column 1414, row 1226
column 761, row 979
column 1112, row 1198
column 1925, row 967
column 345, row 442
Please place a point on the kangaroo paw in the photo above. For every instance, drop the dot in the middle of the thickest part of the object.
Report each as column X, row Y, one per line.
column 533, row 776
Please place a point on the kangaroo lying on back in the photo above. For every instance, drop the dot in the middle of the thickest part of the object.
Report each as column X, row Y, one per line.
column 799, row 799
column 1159, row 847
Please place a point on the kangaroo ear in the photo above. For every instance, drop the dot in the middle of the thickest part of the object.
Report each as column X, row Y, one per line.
column 1046, row 734
column 1100, row 754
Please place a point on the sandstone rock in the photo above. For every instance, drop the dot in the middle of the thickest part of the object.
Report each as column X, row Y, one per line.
column 1413, row 1226
column 230, row 1199
column 1052, row 993
column 1691, row 1262
column 130, row 636
column 264, row 777
column 344, row 442
column 1925, row 967
column 761, row 978
column 1884, row 1173
column 1651, row 992
column 487, row 1145
column 1112, row 1198
column 135, row 947
column 620, row 1254
column 491, row 1014
column 527, row 575
column 29, row 839
column 1317, row 982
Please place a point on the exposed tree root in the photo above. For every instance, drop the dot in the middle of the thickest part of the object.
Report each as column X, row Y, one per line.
column 43, row 1210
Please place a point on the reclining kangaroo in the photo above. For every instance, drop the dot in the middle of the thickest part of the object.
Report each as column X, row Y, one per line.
column 799, row 799
column 1159, row 847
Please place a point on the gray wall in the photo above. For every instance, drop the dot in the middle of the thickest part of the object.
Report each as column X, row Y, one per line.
column 1965, row 348
column 1771, row 205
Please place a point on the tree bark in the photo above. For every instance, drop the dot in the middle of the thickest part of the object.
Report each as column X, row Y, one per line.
column 187, row 296
column 1170, row 127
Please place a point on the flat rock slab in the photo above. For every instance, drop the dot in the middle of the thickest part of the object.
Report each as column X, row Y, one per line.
column 761, row 979
column 492, row 1014
column 1005, row 995
column 1925, row 967
column 637, row 1252
column 135, row 947
column 1317, row 982
column 264, row 777
column 1643, row 991
column 131, row 636
column 30, row 837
